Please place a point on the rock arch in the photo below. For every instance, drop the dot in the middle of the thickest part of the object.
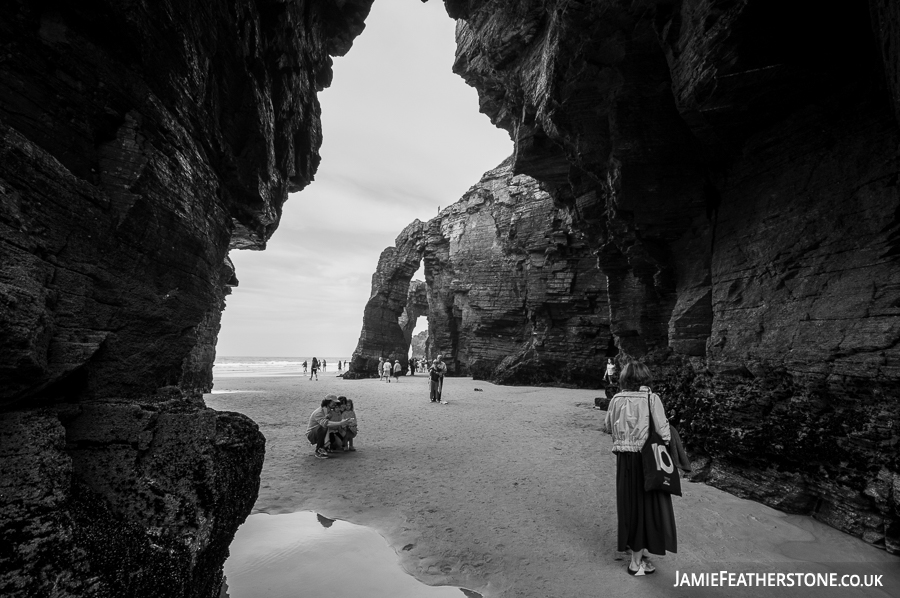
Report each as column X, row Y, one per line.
column 513, row 293
column 416, row 306
column 382, row 333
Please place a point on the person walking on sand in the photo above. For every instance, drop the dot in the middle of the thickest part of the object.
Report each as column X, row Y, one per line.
column 386, row 370
column 319, row 425
column 304, row 367
column 314, row 369
column 397, row 369
column 646, row 519
column 610, row 371
column 323, row 365
column 436, row 385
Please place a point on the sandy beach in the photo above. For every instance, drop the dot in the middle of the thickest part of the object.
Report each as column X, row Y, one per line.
column 510, row 491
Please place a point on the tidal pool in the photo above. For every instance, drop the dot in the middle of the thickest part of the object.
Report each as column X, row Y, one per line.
column 305, row 554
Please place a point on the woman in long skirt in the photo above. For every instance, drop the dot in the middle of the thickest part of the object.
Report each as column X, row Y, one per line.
column 646, row 519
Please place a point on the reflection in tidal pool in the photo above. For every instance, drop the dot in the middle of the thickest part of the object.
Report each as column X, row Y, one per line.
column 304, row 554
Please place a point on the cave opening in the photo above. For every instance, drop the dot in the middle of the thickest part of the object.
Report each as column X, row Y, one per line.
column 419, row 342
column 402, row 138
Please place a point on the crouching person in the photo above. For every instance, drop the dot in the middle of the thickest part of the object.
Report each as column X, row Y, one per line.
column 320, row 424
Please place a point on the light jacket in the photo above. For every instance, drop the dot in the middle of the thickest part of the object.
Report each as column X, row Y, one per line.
column 628, row 419
column 318, row 419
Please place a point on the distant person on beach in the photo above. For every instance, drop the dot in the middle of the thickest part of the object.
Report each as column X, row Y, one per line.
column 386, row 370
column 320, row 424
column 397, row 369
column 323, row 365
column 610, row 371
column 339, row 365
column 646, row 518
column 436, row 385
column 380, row 369
column 304, row 366
column 314, row 369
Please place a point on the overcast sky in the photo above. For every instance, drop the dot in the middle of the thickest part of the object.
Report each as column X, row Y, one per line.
column 403, row 136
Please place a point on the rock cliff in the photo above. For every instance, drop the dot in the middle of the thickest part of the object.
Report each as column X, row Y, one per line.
column 734, row 165
column 514, row 294
column 139, row 143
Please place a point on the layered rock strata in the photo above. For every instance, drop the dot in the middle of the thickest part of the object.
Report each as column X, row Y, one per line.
column 513, row 293
column 138, row 144
column 736, row 171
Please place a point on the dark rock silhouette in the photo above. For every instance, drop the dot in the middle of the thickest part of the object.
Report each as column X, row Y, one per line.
column 735, row 168
column 734, row 171
column 138, row 145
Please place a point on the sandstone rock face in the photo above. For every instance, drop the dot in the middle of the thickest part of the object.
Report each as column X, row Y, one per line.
column 736, row 171
column 513, row 293
column 138, row 144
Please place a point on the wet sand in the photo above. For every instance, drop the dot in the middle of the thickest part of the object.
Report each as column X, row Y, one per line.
column 511, row 492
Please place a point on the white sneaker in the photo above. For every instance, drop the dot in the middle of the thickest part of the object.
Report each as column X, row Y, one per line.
column 640, row 570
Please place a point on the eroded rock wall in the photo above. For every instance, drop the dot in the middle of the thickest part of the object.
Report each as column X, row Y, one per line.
column 735, row 168
column 123, row 498
column 514, row 294
column 138, row 144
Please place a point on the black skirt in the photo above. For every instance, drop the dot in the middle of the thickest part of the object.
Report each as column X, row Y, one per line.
column 646, row 519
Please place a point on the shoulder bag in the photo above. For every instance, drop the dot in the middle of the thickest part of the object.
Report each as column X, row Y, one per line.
column 659, row 468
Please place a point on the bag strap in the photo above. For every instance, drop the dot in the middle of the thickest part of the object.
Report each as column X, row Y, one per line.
column 650, row 415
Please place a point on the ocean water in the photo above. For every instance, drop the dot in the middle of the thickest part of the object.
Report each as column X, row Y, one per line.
column 243, row 367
